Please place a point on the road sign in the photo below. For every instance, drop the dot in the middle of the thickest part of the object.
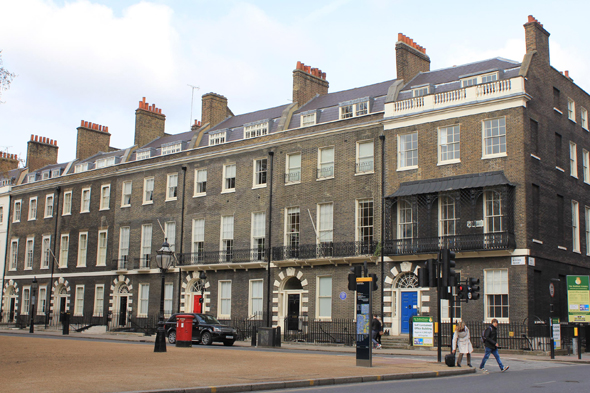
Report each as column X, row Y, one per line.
column 551, row 289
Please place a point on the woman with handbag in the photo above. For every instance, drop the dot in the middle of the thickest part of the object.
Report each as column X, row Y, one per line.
column 462, row 343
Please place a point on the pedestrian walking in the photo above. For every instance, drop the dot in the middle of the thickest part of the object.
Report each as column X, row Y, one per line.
column 376, row 328
column 462, row 343
column 490, row 339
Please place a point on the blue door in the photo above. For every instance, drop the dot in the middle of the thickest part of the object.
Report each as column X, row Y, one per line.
column 409, row 309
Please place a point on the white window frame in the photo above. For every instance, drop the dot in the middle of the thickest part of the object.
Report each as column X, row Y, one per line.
column 42, row 300
column 488, row 124
column 172, row 187
column 124, row 235
column 571, row 109
column 325, row 214
column 148, row 193
column 30, row 253
column 170, row 231
column 85, row 203
column 258, row 234
column 402, row 223
column 1, row 214
column 168, row 299
column 98, row 310
column 444, row 217
column 143, row 155
column 326, row 169
column 45, row 175
column 126, row 194
column 171, row 148
column 33, row 207
column 575, row 227
column 227, row 236
column 104, row 162
column 324, row 311
column 492, row 289
column 346, row 111
column 292, row 227
column 13, row 255
column 64, row 251
column 31, row 178
column 82, row 249
column 364, row 224
column 308, row 119
column 48, row 206
column 573, row 160
column 450, row 148
column 79, row 301
column 217, row 138
column 260, row 175
column 488, row 78
column 256, row 300
column 101, row 260
column 143, row 303
column 228, row 185
column 67, row 204
column 586, row 165
column 584, row 118
column 355, row 109
column 105, row 197
column 471, row 81
column 200, row 182
column 55, row 173
column 224, row 310
column 293, row 174
column 255, row 130
column 46, row 256
column 407, row 156
column 146, row 242
column 198, row 238
column 26, row 300
column 81, row 168
column 421, row 91
column 18, row 210
column 491, row 217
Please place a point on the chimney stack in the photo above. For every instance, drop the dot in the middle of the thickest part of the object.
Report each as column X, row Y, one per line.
column 214, row 109
column 410, row 58
column 537, row 39
column 92, row 138
column 307, row 83
column 196, row 126
column 8, row 162
column 149, row 123
column 41, row 151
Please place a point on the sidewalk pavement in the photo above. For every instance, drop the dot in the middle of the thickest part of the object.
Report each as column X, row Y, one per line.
column 84, row 365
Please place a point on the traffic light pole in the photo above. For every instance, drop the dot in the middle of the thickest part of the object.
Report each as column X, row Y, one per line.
column 438, row 310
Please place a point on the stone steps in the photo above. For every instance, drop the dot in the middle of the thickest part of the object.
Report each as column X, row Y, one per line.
column 396, row 342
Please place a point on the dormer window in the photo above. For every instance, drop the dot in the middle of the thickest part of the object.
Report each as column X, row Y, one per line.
column 308, row 119
column 254, row 130
column 31, row 178
column 489, row 77
column 473, row 80
column 354, row 108
column 171, row 148
column 420, row 91
column 142, row 155
column 104, row 162
column 55, row 173
column 45, row 175
column 81, row 168
column 217, row 139
column 468, row 82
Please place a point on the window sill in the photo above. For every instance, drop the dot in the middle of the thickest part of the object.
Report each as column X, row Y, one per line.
column 407, row 168
column 364, row 173
column 562, row 248
column 585, row 129
column 577, row 252
column 125, row 206
column 491, row 156
column 104, row 209
column 256, row 186
column 199, row 195
column 557, row 110
column 84, row 212
column 537, row 241
column 448, row 162
column 572, row 120
column 574, row 176
column 66, row 214
column 15, row 222
column 101, row 265
column 292, row 183
column 171, row 200
column 142, row 315
column 48, row 217
column 325, row 178
column 32, row 219
column 230, row 191
column 536, row 157
column 147, row 203
column 28, row 268
column 560, row 169
column 80, row 266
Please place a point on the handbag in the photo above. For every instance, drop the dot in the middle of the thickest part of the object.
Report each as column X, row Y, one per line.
column 450, row 359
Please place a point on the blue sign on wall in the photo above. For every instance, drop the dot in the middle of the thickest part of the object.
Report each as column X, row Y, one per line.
column 342, row 295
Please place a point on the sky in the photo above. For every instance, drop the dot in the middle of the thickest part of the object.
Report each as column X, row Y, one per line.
column 94, row 60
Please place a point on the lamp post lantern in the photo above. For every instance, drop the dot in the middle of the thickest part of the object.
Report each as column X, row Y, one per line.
column 164, row 259
column 32, row 308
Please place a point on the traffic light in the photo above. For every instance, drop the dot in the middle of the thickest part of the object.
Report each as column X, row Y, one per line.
column 448, row 262
column 374, row 277
column 355, row 271
column 462, row 292
column 427, row 274
column 473, row 288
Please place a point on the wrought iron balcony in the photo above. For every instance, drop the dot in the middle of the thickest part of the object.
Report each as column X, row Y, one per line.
column 472, row 242
column 122, row 263
column 223, row 256
column 323, row 250
column 143, row 263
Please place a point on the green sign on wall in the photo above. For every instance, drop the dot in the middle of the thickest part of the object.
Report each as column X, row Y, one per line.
column 578, row 298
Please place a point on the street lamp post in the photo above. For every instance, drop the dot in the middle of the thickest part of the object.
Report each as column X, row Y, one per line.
column 164, row 259
column 32, row 308
column 203, row 277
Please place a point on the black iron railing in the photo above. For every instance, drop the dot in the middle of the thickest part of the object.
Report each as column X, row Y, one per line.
column 476, row 242
column 222, row 256
column 245, row 327
column 122, row 264
column 143, row 263
column 335, row 331
column 323, row 250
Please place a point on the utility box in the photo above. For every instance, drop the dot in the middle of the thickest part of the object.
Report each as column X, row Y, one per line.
column 184, row 330
column 269, row 337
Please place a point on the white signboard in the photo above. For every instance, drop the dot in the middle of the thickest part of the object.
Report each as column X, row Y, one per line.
column 519, row 260
column 556, row 333
column 423, row 332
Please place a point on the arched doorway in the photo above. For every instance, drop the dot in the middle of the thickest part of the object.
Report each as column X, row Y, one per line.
column 290, row 304
column 121, row 303
column 60, row 303
column 10, row 305
column 194, row 301
column 407, row 285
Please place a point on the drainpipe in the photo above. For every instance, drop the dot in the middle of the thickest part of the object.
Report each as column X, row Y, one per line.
column 268, row 276
column 5, row 255
column 50, row 292
column 181, row 255
column 382, row 138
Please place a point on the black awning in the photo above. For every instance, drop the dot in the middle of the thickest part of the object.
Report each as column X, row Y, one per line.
column 476, row 180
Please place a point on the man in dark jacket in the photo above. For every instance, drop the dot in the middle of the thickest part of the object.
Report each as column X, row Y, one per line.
column 490, row 337
column 376, row 328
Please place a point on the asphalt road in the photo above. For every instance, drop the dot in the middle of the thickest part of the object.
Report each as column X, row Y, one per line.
column 523, row 376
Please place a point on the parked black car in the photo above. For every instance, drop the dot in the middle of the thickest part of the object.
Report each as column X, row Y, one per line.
column 206, row 330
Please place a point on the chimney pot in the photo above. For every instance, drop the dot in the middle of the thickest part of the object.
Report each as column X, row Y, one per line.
column 32, row 137
column 567, row 73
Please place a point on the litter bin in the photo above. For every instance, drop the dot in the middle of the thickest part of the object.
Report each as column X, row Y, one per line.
column 184, row 330
column 269, row 337
column 65, row 323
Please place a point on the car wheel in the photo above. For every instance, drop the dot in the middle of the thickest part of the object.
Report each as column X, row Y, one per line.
column 229, row 343
column 172, row 337
column 206, row 338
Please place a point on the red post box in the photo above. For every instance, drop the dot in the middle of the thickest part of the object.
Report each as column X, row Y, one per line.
column 184, row 330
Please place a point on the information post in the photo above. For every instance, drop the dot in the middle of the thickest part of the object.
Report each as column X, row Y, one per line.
column 578, row 299
column 364, row 317
column 423, row 332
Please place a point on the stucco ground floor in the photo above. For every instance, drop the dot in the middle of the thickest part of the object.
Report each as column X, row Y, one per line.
column 513, row 289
